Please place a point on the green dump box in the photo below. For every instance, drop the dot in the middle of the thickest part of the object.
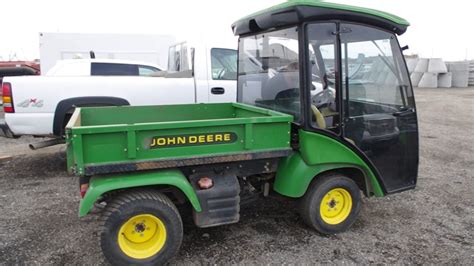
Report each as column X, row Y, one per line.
column 114, row 139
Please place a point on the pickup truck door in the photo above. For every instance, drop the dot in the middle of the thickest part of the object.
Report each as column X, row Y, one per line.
column 223, row 75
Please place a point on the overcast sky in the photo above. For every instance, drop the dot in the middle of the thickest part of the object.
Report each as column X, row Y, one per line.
column 438, row 28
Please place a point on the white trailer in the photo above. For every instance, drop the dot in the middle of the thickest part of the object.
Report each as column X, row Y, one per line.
column 152, row 49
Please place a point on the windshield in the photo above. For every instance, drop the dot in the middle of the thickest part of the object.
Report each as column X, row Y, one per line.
column 268, row 74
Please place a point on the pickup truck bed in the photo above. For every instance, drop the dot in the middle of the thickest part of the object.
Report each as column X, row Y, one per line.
column 131, row 138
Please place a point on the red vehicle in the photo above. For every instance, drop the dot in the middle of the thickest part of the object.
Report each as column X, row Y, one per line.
column 18, row 68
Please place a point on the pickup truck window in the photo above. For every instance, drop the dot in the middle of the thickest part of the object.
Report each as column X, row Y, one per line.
column 147, row 70
column 224, row 64
column 113, row 69
column 179, row 58
column 108, row 69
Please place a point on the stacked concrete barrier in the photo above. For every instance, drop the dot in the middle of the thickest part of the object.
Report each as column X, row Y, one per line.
column 435, row 73
column 460, row 72
column 422, row 65
column 445, row 80
column 471, row 73
column 411, row 64
column 436, row 65
column 429, row 80
column 415, row 78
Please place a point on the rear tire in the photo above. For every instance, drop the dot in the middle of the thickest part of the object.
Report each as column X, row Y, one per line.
column 331, row 204
column 140, row 227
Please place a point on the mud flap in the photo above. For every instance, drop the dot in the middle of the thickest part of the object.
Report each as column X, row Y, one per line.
column 220, row 204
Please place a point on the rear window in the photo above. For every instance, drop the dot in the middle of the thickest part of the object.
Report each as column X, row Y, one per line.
column 112, row 69
column 147, row 70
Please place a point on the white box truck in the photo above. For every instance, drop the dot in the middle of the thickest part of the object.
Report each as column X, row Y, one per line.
column 149, row 48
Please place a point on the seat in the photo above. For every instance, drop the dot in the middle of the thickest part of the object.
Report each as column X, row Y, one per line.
column 321, row 121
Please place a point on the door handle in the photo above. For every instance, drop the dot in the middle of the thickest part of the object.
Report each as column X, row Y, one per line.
column 217, row 90
column 403, row 113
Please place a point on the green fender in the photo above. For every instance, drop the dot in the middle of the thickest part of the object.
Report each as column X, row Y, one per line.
column 101, row 185
column 317, row 154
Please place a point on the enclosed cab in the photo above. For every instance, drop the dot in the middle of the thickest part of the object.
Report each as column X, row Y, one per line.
column 340, row 72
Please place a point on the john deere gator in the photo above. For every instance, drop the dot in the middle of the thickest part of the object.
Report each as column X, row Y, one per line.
column 325, row 114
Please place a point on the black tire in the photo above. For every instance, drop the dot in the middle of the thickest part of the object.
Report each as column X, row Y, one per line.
column 311, row 203
column 130, row 204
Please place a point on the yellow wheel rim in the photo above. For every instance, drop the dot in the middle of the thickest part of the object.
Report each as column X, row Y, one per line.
column 336, row 206
column 142, row 236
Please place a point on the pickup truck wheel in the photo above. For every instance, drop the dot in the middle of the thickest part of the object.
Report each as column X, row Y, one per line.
column 140, row 227
column 331, row 204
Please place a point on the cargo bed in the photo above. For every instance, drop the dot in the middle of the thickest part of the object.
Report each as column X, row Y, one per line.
column 129, row 138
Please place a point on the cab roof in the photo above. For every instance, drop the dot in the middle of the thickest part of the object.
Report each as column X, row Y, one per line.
column 296, row 11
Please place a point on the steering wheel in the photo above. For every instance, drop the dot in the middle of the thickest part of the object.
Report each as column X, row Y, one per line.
column 221, row 73
column 319, row 117
column 322, row 98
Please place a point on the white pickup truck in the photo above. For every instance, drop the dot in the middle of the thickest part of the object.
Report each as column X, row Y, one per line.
column 42, row 105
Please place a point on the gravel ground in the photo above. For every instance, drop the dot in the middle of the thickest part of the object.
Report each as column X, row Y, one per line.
column 429, row 225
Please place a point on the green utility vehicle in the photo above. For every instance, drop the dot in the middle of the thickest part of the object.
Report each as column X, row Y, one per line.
column 325, row 113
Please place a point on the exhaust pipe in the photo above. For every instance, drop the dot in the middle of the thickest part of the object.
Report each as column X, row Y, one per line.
column 46, row 143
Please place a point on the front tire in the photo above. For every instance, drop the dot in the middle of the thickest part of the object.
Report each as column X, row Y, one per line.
column 140, row 227
column 331, row 204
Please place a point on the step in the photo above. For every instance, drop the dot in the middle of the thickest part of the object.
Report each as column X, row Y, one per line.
column 220, row 204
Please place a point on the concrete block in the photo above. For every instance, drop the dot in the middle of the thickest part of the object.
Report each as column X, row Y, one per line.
column 458, row 66
column 411, row 64
column 415, row 78
column 436, row 65
column 460, row 74
column 422, row 65
column 460, row 79
column 429, row 80
column 445, row 80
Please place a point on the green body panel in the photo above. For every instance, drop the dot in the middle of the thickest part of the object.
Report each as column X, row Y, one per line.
column 69, row 157
column 107, row 135
column 318, row 154
column 100, row 185
column 315, row 3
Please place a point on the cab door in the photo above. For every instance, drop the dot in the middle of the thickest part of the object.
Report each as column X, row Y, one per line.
column 379, row 108
column 223, row 75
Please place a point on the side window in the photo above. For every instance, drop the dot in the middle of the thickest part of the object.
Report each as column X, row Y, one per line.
column 112, row 69
column 374, row 79
column 375, row 88
column 147, row 70
column 269, row 72
column 224, row 64
column 322, row 54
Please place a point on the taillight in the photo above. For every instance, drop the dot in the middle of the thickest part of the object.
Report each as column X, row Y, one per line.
column 7, row 98
column 83, row 189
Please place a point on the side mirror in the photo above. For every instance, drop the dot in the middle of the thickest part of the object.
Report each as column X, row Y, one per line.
column 405, row 48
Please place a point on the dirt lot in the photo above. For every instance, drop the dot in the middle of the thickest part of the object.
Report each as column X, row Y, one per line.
column 432, row 224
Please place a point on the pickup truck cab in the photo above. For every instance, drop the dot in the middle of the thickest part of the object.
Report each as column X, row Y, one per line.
column 42, row 105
